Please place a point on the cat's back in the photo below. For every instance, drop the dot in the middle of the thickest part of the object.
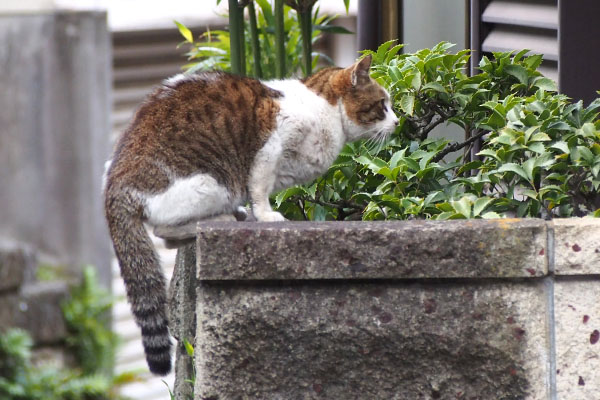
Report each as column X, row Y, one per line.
column 193, row 123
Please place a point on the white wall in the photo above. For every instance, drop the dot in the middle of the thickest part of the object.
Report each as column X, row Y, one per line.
column 428, row 22
column 151, row 14
column 25, row 5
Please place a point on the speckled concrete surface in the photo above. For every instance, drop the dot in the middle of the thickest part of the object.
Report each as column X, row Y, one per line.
column 372, row 250
column 577, row 339
column 399, row 310
column 334, row 340
column 577, row 242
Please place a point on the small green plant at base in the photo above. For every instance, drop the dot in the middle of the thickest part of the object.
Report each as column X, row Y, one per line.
column 90, row 341
column 87, row 313
column 539, row 157
column 20, row 380
column 189, row 349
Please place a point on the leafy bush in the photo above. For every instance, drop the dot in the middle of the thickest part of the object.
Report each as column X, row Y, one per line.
column 90, row 341
column 20, row 380
column 539, row 157
column 87, row 313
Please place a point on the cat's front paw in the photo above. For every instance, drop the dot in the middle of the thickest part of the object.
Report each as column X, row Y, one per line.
column 269, row 216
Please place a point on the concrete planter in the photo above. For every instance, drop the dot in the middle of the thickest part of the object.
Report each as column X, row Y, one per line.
column 504, row 309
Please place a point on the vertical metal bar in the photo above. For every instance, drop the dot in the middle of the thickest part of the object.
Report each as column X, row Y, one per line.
column 474, row 37
column 467, row 36
column 477, row 34
column 389, row 20
column 474, row 44
column 400, row 22
column 368, row 24
column 578, row 42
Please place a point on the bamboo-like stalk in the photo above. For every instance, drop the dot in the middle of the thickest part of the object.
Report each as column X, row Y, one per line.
column 304, row 12
column 279, row 40
column 234, row 37
column 257, row 70
column 242, row 32
column 305, row 21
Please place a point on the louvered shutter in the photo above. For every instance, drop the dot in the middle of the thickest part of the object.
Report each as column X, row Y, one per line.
column 505, row 25
column 141, row 60
column 567, row 32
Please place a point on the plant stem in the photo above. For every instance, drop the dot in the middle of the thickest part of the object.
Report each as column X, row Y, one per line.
column 457, row 146
column 254, row 41
column 242, row 32
column 279, row 40
column 235, row 37
column 305, row 21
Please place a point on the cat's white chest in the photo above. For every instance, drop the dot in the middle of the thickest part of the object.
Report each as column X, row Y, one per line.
column 309, row 132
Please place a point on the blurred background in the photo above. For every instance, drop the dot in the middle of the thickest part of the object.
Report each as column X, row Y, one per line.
column 72, row 73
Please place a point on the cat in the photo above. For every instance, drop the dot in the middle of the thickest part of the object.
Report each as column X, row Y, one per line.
column 204, row 144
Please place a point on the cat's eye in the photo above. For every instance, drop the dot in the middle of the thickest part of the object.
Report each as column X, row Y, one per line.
column 383, row 105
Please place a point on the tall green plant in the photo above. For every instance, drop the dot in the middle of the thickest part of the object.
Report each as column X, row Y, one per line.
column 236, row 14
column 274, row 30
column 540, row 154
column 278, row 17
column 304, row 13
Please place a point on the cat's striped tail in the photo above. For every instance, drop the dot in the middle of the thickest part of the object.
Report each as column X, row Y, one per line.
column 140, row 269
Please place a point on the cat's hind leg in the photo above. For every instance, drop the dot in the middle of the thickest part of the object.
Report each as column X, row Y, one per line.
column 194, row 198
column 261, row 182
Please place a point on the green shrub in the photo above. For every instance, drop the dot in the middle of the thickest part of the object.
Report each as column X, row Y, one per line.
column 20, row 380
column 90, row 341
column 539, row 157
column 87, row 315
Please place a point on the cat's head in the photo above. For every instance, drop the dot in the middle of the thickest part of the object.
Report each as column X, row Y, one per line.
column 367, row 110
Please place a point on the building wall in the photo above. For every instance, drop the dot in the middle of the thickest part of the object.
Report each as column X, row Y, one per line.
column 428, row 22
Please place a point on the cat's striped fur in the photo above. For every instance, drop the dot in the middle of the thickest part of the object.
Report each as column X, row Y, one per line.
column 203, row 145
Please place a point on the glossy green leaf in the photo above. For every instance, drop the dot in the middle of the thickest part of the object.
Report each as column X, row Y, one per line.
column 512, row 167
column 463, row 206
column 491, row 215
column 287, row 193
column 407, row 103
column 518, row 72
column 481, row 204
column 545, row 84
column 434, row 86
column 347, row 5
column 185, row 32
column 189, row 349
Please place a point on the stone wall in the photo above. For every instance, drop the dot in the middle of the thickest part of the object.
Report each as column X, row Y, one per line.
column 55, row 103
column 31, row 305
column 390, row 310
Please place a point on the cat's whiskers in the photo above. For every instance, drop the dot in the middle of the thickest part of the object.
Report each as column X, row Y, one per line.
column 377, row 141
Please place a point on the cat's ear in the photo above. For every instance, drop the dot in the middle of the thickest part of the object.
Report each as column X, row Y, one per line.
column 360, row 71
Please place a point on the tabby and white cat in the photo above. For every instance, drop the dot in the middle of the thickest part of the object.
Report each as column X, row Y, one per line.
column 203, row 145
